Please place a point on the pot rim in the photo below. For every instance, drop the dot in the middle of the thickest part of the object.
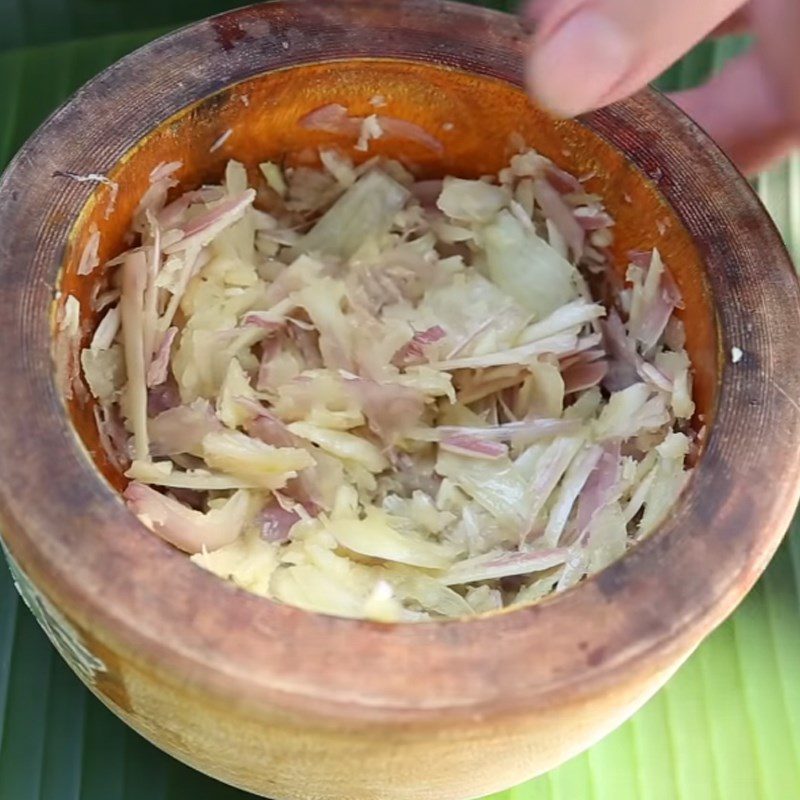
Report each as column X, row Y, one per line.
column 249, row 650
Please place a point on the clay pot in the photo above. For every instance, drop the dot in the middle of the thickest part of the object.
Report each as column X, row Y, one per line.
column 296, row 705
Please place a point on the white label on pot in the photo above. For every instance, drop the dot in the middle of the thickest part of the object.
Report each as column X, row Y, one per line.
column 60, row 632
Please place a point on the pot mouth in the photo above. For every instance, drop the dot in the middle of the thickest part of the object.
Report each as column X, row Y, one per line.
column 126, row 591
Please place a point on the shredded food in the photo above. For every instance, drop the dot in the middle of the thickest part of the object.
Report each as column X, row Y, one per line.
column 371, row 396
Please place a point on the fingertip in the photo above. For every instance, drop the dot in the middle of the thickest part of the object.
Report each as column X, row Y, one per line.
column 539, row 91
column 576, row 66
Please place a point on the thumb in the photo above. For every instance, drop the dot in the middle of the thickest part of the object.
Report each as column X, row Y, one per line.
column 588, row 53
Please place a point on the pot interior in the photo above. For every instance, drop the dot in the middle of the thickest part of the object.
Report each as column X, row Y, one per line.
column 479, row 122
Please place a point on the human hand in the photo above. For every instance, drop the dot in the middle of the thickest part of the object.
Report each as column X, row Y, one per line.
column 588, row 53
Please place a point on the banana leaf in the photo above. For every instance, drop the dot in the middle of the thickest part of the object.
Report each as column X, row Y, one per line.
column 727, row 727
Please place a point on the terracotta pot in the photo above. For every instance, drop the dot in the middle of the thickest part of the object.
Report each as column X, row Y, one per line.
column 296, row 705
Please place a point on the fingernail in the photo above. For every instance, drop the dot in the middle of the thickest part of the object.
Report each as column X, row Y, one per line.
column 579, row 63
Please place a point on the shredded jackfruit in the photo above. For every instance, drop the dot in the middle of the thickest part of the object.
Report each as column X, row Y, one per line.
column 371, row 396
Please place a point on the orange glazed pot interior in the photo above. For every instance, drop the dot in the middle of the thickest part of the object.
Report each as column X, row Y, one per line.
column 301, row 706
column 479, row 121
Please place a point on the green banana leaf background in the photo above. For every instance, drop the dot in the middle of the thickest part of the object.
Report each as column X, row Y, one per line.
column 727, row 727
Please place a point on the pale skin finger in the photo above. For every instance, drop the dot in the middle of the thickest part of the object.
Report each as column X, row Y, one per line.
column 742, row 111
column 776, row 25
column 738, row 23
column 588, row 53
column 752, row 108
